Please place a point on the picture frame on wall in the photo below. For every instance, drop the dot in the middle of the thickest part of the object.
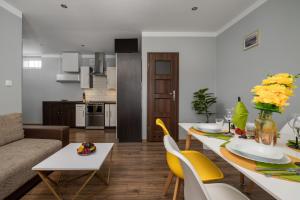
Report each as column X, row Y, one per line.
column 251, row 40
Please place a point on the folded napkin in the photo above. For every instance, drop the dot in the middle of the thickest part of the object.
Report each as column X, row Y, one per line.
column 295, row 178
column 224, row 144
column 240, row 116
column 220, row 136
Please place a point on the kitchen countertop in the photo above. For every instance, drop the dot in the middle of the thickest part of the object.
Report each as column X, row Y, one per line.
column 81, row 102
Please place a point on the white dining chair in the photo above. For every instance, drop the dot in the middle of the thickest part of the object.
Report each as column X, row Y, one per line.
column 286, row 133
column 194, row 188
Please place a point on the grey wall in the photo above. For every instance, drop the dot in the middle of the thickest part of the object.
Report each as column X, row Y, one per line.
column 40, row 85
column 197, row 69
column 10, row 62
column 238, row 70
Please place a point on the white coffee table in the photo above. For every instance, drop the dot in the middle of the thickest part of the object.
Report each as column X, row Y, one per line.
column 67, row 159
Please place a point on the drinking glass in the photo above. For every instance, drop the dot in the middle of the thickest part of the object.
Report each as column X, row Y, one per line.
column 250, row 130
column 295, row 125
column 228, row 117
column 220, row 122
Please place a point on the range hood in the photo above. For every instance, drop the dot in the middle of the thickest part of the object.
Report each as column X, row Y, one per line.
column 99, row 69
column 68, row 78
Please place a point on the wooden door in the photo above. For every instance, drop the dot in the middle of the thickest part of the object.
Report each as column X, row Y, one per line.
column 163, row 73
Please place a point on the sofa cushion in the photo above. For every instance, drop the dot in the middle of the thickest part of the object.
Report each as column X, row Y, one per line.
column 11, row 128
column 18, row 158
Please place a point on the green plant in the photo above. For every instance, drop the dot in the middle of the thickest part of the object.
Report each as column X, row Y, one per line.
column 203, row 100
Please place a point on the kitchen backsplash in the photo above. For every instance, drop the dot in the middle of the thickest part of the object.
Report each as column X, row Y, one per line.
column 99, row 92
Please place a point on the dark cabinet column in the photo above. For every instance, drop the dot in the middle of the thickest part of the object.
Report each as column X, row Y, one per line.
column 129, row 77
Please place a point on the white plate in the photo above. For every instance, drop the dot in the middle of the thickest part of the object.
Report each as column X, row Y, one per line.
column 256, row 149
column 209, row 127
column 284, row 160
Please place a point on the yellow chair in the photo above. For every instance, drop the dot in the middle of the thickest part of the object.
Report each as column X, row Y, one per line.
column 205, row 168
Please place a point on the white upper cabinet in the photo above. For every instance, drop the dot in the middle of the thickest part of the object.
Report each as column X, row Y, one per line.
column 86, row 78
column 70, row 62
column 111, row 74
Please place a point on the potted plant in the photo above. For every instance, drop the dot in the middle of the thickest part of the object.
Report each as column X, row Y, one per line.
column 203, row 100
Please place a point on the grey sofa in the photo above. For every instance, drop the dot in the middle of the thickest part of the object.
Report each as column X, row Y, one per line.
column 21, row 148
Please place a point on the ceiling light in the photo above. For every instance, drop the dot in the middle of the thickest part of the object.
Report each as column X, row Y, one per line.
column 63, row 5
column 194, row 8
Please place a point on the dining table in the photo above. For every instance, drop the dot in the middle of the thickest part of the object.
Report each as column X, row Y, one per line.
column 278, row 188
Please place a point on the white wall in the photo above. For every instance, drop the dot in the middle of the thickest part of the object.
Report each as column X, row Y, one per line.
column 10, row 62
column 197, row 69
column 279, row 51
column 40, row 85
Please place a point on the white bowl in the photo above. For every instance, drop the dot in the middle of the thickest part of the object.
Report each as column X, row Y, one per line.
column 209, row 127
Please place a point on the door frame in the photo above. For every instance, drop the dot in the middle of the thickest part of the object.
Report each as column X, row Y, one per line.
column 149, row 104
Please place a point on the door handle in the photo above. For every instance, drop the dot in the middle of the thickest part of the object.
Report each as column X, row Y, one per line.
column 173, row 94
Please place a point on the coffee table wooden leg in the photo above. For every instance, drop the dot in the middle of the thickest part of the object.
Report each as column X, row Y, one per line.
column 109, row 166
column 188, row 141
column 48, row 182
column 99, row 174
column 84, row 184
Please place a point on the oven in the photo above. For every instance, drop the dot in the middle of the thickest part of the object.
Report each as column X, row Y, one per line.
column 95, row 115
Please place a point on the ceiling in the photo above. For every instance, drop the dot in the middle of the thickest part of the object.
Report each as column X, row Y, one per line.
column 50, row 29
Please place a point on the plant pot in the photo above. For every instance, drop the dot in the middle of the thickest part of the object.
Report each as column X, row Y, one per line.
column 265, row 128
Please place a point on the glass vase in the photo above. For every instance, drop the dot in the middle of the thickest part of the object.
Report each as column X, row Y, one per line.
column 265, row 128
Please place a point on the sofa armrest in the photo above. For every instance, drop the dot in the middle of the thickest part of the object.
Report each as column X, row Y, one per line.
column 47, row 132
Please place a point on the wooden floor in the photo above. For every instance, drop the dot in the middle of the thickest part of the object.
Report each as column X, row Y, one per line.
column 139, row 171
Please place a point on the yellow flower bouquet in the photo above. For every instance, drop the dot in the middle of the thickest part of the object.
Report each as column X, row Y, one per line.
column 274, row 92
column 271, row 96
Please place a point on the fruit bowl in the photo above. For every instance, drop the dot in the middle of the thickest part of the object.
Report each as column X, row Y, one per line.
column 86, row 148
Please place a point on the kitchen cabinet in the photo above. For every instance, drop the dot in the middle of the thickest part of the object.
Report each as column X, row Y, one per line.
column 110, row 115
column 70, row 62
column 80, row 115
column 86, row 78
column 59, row 113
column 111, row 74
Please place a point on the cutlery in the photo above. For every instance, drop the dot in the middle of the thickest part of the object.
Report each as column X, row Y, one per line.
column 282, row 174
column 278, row 169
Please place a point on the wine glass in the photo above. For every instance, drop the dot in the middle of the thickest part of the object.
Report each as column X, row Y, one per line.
column 295, row 125
column 228, row 116
column 220, row 122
